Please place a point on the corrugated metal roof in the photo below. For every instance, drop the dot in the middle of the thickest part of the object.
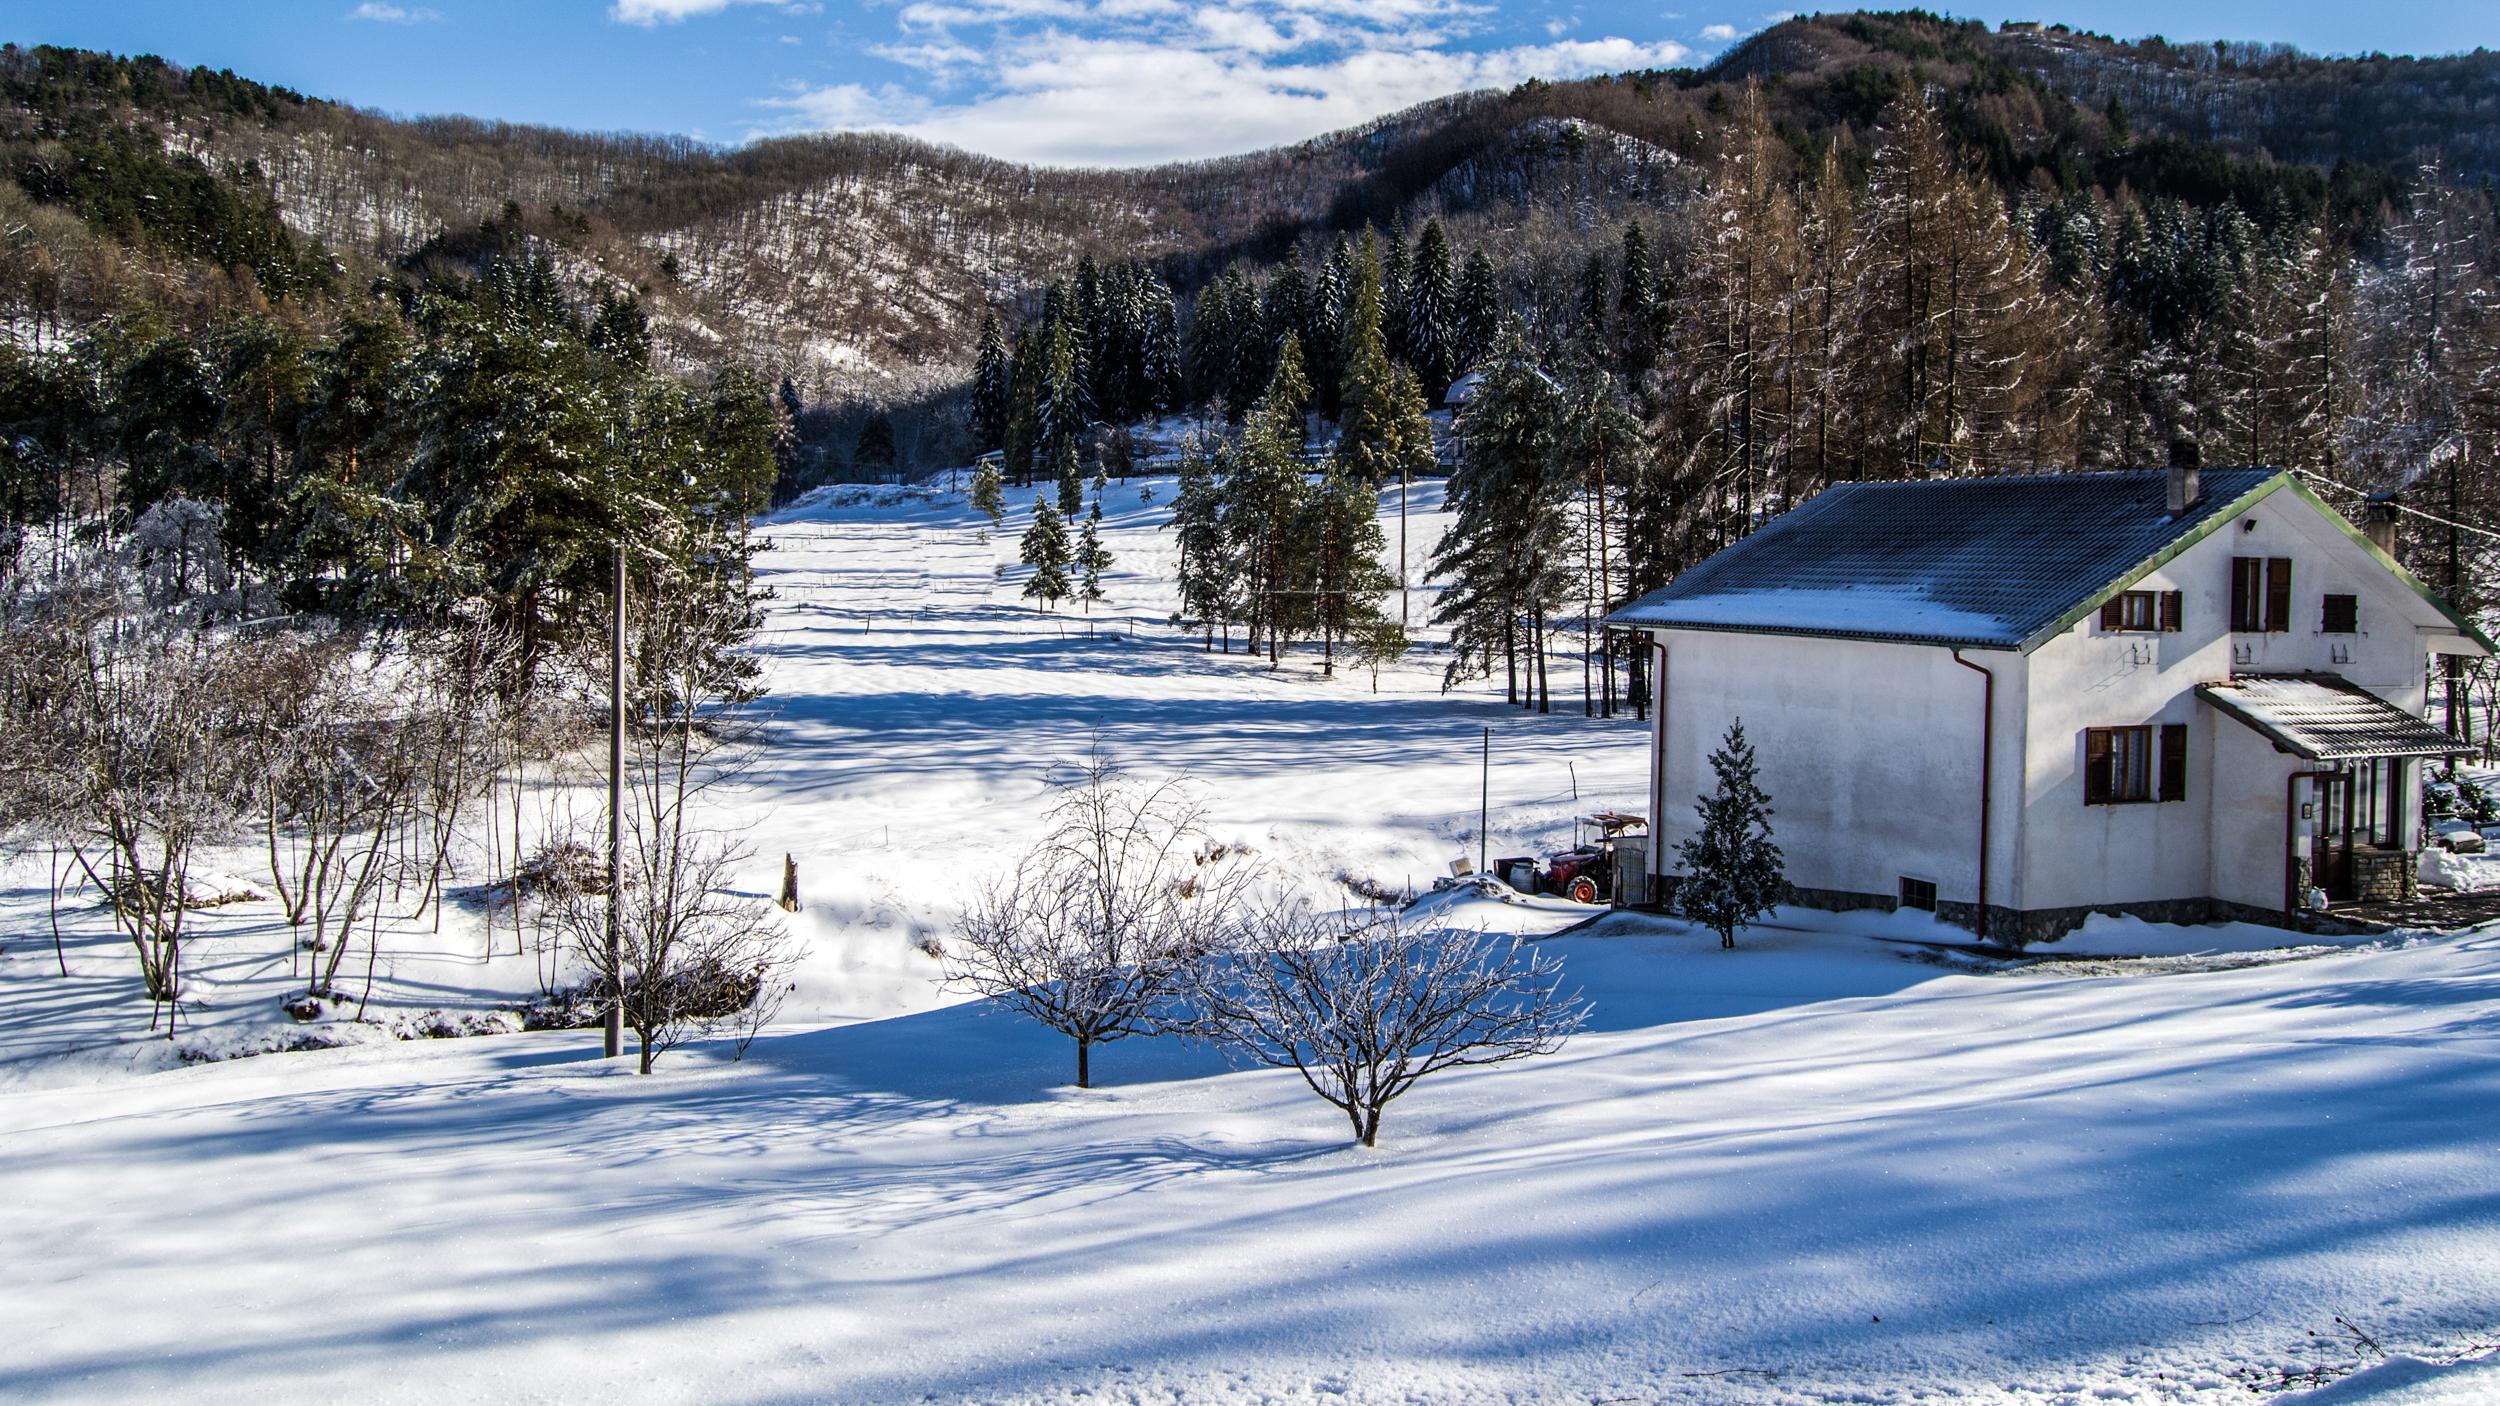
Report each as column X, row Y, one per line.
column 2327, row 719
column 1979, row 562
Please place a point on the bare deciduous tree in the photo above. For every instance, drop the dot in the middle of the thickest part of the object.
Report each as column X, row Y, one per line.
column 1364, row 1010
column 691, row 950
column 1090, row 933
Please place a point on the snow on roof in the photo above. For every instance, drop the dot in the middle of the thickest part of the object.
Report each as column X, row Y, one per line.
column 1982, row 562
column 2325, row 718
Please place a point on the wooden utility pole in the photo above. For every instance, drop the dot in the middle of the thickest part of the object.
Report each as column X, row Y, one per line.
column 615, row 1041
column 1484, row 801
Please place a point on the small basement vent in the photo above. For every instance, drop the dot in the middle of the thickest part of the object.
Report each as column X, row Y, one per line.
column 1918, row 894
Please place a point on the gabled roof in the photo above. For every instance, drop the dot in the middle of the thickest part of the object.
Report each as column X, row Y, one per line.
column 2325, row 718
column 1978, row 563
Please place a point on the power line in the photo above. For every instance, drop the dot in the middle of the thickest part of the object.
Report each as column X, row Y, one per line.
column 2399, row 507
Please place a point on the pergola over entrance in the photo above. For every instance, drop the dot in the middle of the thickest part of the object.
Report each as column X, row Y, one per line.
column 2362, row 783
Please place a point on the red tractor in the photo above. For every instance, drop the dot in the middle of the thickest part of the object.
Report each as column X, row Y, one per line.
column 1586, row 872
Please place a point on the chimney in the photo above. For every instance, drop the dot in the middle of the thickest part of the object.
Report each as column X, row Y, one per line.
column 2379, row 524
column 2185, row 462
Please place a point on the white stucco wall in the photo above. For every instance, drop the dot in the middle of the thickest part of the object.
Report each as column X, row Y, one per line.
column 2226, row 840
column 1870, row 752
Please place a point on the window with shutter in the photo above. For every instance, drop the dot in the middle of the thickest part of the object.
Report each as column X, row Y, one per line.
column 2342, row 616
column 2132, row 610
column 2278, row 595
column 2248, row 587
column 2174, row 762
column 2118, row 765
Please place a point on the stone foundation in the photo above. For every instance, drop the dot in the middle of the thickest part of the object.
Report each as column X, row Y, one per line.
column 2015, row 928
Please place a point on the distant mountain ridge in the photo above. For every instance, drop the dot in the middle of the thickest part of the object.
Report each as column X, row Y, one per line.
column 860, row 264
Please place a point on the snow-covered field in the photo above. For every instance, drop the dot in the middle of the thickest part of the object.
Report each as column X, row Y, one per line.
column 1820, row 1168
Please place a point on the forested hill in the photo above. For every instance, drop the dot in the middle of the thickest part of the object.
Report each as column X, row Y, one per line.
column 860, row 264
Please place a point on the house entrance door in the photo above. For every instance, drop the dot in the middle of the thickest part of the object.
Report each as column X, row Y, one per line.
column 2330, row 836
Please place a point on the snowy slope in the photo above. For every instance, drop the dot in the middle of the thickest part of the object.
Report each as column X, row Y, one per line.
column 1814, row 1169
column 1800, row 1158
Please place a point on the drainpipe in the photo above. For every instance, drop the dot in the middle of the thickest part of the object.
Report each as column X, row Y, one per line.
column 2291, row 839
column 1987, row 763
column 1657, row 765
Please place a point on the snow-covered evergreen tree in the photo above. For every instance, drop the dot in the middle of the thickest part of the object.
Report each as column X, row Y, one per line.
column 1734, row 873
column 1208, row 574
column 1340, row 536
column 1069, row 473
column 1431, row 311
column 993, row 388
column 1063, row 404
column 1165, row 381
column 1045, row 549
column 1504, row 556
column 1264, row 486
column 989, row 496
column 1092, row 558
column 1478, row 317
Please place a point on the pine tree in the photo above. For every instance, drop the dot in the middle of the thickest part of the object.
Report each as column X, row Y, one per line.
column 873, row 451
column 1208, row 574
column 1386, row 434
column 1431, row 311
column 1285, row 303
column 1251, row 359
column 1392, row 248
column 1070, row 475
column 1021, row 441
column 1211, row 348
column 1092, row 558
column 1594, row 304
column 1636, row 305
column 1365, row 433
column 1503, row 557
column 993, row 388
column 1063, row 403
column 1600, row 449
column 1165, row 382
column 1322, row 346
column 1340, row 532
column 1479, row 315
column 1263, row 491
column 989, row 497
column 1045, row 549
column 1735, row 875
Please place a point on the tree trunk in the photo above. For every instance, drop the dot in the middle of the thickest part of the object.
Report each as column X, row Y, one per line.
column 1084, row 1063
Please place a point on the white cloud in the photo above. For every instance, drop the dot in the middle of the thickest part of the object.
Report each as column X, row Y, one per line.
column 392, row 14
column 1718, row 33
column 648, row 13
column 1136, row 82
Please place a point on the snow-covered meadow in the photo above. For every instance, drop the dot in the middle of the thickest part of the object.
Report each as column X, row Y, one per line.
column 1819, row 1168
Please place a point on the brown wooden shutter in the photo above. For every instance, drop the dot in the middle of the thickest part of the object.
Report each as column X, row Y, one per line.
column 2278, row 594
column 2174, row 761
column 2096, row 761
column 2245, row 572
column 2173, row 607
column 2113, row 612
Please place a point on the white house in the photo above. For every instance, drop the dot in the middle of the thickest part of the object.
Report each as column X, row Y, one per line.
column 2017, row 701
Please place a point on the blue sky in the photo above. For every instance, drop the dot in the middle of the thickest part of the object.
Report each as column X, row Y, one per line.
column 1069, row 82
